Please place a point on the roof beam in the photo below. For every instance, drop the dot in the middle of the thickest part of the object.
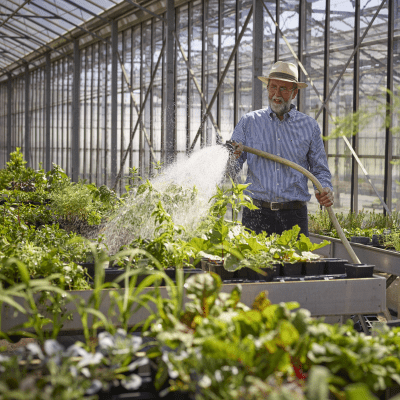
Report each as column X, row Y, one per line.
column 58, row 7
column 146, row 10
column 76, row 26
column 32, row 39
column 28, row 16
column 16, row 11
column 43, row 26
column 88, row 11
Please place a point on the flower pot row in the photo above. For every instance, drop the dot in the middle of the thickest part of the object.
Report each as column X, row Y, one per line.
column 111, row 273
column 328, row 266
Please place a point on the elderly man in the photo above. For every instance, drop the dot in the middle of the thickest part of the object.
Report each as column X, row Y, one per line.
column 280, row 192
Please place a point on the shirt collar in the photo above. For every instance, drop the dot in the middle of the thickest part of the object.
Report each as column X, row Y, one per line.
column 289, row 116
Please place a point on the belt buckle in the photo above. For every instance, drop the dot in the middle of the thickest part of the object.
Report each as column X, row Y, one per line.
column 274, row 206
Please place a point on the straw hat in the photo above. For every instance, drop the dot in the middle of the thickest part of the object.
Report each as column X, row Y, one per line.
column 284, row 71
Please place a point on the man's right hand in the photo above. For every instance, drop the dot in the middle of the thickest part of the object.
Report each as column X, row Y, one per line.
column 238, row 149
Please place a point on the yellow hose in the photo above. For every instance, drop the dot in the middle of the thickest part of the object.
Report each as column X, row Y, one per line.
column 316, row 182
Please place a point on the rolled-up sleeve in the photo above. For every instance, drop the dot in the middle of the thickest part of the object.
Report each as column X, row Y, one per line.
column 318, row 161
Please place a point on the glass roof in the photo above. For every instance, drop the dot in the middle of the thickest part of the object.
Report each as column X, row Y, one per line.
column 29, row 25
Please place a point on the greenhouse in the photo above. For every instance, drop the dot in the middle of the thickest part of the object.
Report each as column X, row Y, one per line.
column 199, row 199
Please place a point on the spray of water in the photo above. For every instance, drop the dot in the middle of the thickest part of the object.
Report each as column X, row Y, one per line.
column 204, row 170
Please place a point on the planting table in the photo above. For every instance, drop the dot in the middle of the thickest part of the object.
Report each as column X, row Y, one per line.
column 334, row 297
column 386, row 261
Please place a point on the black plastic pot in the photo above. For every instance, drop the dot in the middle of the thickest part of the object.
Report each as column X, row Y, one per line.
column 359, row 270
column 292, row 269
column 270, row 273
column 335, row 266
column 316, row 267
column 218, row 268
column 89, row 267
column 360, row 239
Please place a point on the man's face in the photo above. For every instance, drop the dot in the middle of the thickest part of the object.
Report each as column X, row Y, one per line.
column 280, row 95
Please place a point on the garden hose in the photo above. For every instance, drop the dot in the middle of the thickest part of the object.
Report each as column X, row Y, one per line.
column 316, row 182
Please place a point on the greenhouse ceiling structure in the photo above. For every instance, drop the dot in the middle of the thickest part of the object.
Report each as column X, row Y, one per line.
column 99, row 87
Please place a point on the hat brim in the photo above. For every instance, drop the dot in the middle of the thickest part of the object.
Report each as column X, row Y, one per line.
column 300, row 85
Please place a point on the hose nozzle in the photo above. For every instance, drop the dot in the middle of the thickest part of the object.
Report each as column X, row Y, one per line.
column 229, row 145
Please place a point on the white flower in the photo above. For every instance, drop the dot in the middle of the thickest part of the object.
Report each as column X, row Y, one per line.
column 94, row 388
column 76, row 351
column 133, row 382
column 35, row 350
column 138, row 363
column 218, row 375
column 52, row 347
column 205, row 381
column 90, row 359
column 106, row 340
column 273, row 250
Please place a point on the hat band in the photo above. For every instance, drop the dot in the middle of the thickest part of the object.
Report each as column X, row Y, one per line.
column 282, row 75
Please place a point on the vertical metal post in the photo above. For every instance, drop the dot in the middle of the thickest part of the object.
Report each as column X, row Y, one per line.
column 236, row 95
column 219, row 63
column 170, row 110
column 164, row 119
column 203, row 66
column 114, row 100
column 151, row 111
column 387, row 195
column 302, row 36
column 75, row 133
column 277, row 34
column 141, row 141
column 9, row 115
column 325, row 123
column 258, row 21
column 189, row 84
column 27, row 118
column 356, row 88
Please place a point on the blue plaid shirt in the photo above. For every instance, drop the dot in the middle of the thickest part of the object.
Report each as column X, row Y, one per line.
column 297, row 138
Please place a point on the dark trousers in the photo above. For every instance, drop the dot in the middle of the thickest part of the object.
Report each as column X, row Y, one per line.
column 270, row 221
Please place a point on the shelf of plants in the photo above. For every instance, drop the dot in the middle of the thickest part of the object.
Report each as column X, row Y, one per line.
column 195, row 337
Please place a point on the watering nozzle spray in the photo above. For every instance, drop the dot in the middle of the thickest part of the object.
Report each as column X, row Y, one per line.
column 229, row 144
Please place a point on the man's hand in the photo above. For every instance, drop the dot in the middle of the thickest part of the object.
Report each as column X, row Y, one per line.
column 238, row 149
column 325, row 198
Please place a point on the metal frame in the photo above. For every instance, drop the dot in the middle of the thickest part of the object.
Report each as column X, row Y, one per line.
column 170, row 132
column 14, row 63
column 75, row 140
column 27, row 144
column 356, row 88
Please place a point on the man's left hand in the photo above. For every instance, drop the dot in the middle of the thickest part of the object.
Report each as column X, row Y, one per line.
column 325, row 198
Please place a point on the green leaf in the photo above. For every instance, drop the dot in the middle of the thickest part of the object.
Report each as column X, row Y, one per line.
column 358, row 391
column 318, row 383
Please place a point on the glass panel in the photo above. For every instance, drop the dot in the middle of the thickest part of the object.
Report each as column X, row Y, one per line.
column 373, row 70
column 196, row 47
column 181, row 82
column 211, row 67
column 227, row 91
column 341, row 101
column 313, row 61
column 268, row 44
column 3, row 123
column 147, row 72
column 157, row 92
column 245, row 61
column 289, row 24
column 136, row 74
column 396, row 121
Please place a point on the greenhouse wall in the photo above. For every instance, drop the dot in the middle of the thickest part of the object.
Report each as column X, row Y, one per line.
column 37, row 107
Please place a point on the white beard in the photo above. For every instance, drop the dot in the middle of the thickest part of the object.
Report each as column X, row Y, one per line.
column 283, row 107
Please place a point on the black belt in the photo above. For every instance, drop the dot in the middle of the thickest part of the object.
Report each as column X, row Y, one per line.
column 275, row 206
